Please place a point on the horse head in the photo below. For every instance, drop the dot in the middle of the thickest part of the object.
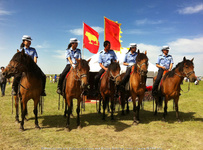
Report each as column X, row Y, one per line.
column 142, row 63
column 114, row 71
column 82, row 68
column 16, row 65
column 188, row 69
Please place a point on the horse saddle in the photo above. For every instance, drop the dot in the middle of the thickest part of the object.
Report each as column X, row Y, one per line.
column 102, row 75
column 161, row 82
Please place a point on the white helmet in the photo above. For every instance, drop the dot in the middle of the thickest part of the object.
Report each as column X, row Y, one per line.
column 165, row 48
column 27, row 38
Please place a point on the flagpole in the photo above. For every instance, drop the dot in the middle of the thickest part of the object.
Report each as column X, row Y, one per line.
column 83, row 41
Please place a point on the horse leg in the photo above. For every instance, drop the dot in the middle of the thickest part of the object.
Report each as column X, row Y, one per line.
column 17, row 109
column 112, row 107
column 104, row 107
column 134, row 108
column 127, row 109
column 78, row 114
column 138, row 108
column 156, row 104
column 165, row 109
column 176, row 107
column 36, row 101
column 122, row 103
column 100, row 99
column 65, row 111
column 23, row 112
column 69, row 101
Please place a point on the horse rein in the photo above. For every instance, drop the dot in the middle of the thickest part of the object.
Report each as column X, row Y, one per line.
column 79, row 76
column 186, row 75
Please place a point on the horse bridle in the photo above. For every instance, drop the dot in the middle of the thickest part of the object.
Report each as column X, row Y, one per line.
column 186, row 74
column 15, row 70
column 139, row 66
column 79, row 76
column 112, row 77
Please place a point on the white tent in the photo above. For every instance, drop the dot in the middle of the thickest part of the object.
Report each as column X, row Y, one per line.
column 94, row 65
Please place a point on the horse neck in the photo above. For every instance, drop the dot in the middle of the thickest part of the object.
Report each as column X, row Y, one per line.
column 179, row 75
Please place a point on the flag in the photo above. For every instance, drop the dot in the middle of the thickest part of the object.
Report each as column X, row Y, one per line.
column 112, row 33
column 90, row 39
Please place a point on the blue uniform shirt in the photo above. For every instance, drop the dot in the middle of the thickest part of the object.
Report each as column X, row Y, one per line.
column 165, row 61
column 105, row 57
column 31, row 51
column 73, row 54
column 130, row 58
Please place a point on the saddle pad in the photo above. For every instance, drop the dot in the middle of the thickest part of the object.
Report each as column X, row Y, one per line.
column 102, row 75
column 68, row 73
column 132, row 69
column 162, row 78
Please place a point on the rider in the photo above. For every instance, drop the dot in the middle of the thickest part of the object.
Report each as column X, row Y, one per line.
column 129, row 61
column 105, row 57
column 164, row 62
column 72, row 52
column 33, row 53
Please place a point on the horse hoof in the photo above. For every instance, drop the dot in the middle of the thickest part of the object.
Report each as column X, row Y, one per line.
column 179, row 121
column 163, row 119
column 135, row 123
column 71, row 115
column 22, row 129
column 67, row 129
column 79, row 127
column 37, row 127
column 17, row 121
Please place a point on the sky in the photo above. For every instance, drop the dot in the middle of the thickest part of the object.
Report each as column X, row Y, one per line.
column 149, row 23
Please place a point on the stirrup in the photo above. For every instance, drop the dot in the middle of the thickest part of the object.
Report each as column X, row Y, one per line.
column 43, row 93
column 58, row 91
column 13, row 93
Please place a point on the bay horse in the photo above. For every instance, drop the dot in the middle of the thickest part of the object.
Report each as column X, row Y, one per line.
column 109, row 81
column 170, row 84
column 138, row 82
column 76, row 83
column 30, row 84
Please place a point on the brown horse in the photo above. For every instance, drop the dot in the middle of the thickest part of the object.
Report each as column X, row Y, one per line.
column 30, row 84
column 138, row 83
column 108, row 84
column 170, row 84
column 76, row 83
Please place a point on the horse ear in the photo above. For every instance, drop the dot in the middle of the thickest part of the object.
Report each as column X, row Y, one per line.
column 145, row 52
column 18, row 51
column 111, row 61
column 192, row 59
column 138, row 52
column 89, row 60
column 118, row 62
column 23, row 52
column 184, row 59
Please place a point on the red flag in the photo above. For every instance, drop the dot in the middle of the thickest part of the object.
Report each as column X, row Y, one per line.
column 90, row 39
column 112, row 33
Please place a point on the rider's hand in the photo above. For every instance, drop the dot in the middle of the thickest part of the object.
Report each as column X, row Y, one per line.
column 73, row 65
column 131, row 64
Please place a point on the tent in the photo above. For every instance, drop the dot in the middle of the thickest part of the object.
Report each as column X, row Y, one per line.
column 94, row 65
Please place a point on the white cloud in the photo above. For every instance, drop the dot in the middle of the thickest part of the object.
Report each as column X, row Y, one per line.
column 147, row 21
column 4, row 12
column 135, row 31
column 79, row 31
column 43, row 45
column 191, row 10
column 60, row 54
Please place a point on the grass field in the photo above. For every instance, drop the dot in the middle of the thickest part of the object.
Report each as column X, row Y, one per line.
column 151, row 133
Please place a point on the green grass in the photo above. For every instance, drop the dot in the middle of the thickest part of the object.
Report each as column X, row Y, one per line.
column 96, row 133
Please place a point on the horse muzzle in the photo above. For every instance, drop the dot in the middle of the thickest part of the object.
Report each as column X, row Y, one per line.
column 143, row 72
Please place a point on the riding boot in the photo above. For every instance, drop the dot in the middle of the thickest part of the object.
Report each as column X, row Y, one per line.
column 16, row 81
column 59, row 88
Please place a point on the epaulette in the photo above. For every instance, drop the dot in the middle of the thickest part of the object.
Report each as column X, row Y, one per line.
column 32, row 48
column 79, row 49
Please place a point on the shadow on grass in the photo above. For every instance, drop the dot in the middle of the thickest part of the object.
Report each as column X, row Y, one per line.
column 90, row 119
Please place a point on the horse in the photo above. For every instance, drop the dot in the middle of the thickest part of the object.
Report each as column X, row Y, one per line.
column 30, row 84
column 138, row 82
column 170, row 85
column 76, row 83
column 109, row 81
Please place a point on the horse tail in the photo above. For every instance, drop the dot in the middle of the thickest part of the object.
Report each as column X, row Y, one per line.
column 160, row 102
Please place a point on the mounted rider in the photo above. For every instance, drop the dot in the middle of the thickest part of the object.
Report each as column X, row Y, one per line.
column 72, row 53
column 164, row 63
column 33, row 53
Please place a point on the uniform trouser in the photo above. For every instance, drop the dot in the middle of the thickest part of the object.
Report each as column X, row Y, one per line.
column 126, row 76
column 97, row 78
column 158, row 79
column 63, row 75
column 3, row 87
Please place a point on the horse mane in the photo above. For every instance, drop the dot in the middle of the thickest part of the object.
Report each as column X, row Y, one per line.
column 139, row 57
column 113, row 66
column 32, row 67
column 179, row 66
